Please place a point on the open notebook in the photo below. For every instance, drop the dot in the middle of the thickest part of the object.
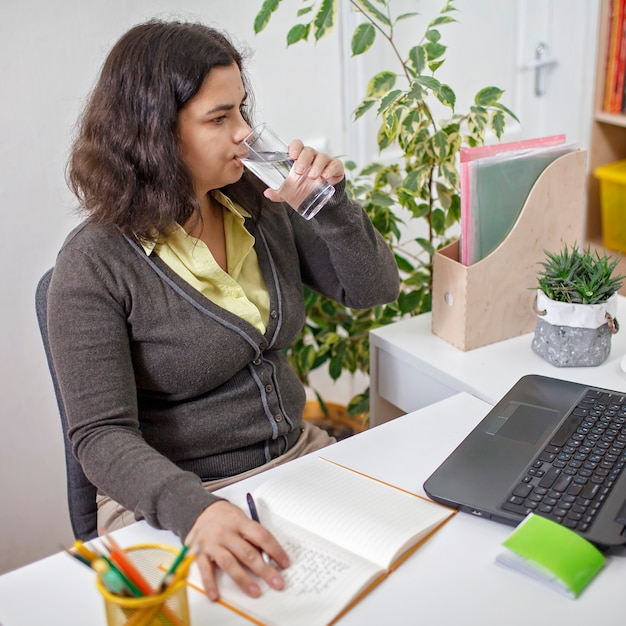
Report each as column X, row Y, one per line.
column 344, row 532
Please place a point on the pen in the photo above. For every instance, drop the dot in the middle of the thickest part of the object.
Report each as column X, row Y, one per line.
column 169, row 575
column 254, row 514
column 78, row 557
column 84, row 551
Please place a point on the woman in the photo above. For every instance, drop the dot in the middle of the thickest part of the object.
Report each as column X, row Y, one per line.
column 170, row 305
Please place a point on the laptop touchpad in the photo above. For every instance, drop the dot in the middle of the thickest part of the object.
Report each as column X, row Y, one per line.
column 522, row 422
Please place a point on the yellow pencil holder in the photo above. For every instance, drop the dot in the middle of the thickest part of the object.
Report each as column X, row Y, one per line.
column 169, row 608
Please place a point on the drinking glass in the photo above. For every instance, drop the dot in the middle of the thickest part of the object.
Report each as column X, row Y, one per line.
column 269, row 160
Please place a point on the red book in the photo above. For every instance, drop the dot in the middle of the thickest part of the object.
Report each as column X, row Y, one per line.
column 620, row 64
column 611, row 76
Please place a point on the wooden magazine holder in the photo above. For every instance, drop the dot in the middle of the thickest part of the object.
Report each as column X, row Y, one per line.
column 492, row 300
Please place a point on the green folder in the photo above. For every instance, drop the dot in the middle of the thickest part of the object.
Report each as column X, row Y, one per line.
column 553, row 554
column 499, row 187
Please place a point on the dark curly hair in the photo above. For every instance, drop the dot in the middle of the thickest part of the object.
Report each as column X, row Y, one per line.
column 125, row 167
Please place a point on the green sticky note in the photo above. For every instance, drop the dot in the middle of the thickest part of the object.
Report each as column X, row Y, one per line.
column 552, row 554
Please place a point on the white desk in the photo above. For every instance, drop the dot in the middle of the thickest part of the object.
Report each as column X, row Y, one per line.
column 410, row 367
column 452, row 579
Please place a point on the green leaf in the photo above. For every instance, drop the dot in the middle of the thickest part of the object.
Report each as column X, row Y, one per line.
column 389, row 99
column 477, row 120
column 417, row 59
column 412, row 181
column 442, row 19
column 306, row 359
column 335, row 367
column 412, row 120
column 498, row 123
column 405, row 16
column 454, row 212
column 438, row 220
column 372, row 168
column 408, row 302
column 368, row 7
column 263, row 16
column 446, row 96
column 300, row 32
column 433, row 66
column 325, row 19
column 501, row 107
column 381, row 83
column 304, row 11
column 363, row 38
column 434, row 50
column 365, row 106
column 416, row 92
column 488, row 96
column 433, row 36
column 440, row 145
column 444, row 195
column 426, row 245
column 428, row 81
column 450, row 173
column 359, row 405
column 382, row 199
column 403, row 264
column 388, row 131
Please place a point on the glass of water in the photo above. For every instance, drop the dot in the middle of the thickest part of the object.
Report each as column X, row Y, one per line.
column 269, row 160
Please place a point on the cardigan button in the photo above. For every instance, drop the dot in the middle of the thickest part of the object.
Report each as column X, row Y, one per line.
column 274, row 314
column 269, row 388
column 263, row 345
column 256, row 362
column 278, row 417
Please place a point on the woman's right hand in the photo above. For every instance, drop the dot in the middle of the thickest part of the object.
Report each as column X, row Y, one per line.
column 224, row 537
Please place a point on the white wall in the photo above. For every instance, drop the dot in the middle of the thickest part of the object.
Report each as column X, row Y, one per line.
column 50, row 52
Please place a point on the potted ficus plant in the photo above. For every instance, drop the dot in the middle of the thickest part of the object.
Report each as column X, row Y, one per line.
column 422, row 184
column 576, row 307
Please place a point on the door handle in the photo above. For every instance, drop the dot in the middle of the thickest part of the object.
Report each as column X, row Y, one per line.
column 541, row 65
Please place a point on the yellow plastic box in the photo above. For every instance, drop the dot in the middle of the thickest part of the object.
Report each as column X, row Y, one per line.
column 613, row 202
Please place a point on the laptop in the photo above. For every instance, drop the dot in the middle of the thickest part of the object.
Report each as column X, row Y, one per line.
column 552, row 447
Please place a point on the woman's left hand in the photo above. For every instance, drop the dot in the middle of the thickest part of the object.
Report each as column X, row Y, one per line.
column 223, row 537
column 315, row 164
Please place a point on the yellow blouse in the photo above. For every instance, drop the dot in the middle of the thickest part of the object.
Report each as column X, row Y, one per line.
column 242, row 289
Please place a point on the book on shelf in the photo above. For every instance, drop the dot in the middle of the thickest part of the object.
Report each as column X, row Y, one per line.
column 616, row 58
column 609, row 79
column 345, row 532
column 620, row 62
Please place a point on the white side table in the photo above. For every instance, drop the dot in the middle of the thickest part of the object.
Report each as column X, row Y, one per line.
column 410, row 367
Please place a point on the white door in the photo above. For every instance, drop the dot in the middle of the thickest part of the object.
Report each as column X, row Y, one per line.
column 556, row 98
column 495, row 42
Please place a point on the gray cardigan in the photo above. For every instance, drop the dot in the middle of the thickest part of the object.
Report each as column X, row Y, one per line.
column 163, row 388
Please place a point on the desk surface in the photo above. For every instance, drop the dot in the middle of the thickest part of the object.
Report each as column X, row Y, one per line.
column 411, row 367
column 451, row 579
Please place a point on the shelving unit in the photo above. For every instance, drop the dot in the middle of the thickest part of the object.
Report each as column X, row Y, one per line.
column 608, row 140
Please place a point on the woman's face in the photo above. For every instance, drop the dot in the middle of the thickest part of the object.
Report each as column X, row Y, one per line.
column 211, row 128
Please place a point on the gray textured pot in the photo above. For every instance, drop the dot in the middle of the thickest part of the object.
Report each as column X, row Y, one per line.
column 574, row 335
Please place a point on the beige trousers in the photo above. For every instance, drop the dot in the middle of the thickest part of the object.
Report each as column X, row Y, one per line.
column 112, row 515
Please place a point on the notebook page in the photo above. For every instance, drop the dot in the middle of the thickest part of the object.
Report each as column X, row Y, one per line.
column 320, row 581
column 359, row 513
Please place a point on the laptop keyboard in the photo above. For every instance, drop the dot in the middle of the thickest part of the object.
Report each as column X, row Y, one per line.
column 572, row 477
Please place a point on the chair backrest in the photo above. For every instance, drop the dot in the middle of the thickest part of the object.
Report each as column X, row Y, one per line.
column 81, row 494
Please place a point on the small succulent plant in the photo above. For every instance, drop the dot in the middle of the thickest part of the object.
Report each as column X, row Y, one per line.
column 579, row 276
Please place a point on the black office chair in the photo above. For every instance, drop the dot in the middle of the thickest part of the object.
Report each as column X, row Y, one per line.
column 81, row 494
